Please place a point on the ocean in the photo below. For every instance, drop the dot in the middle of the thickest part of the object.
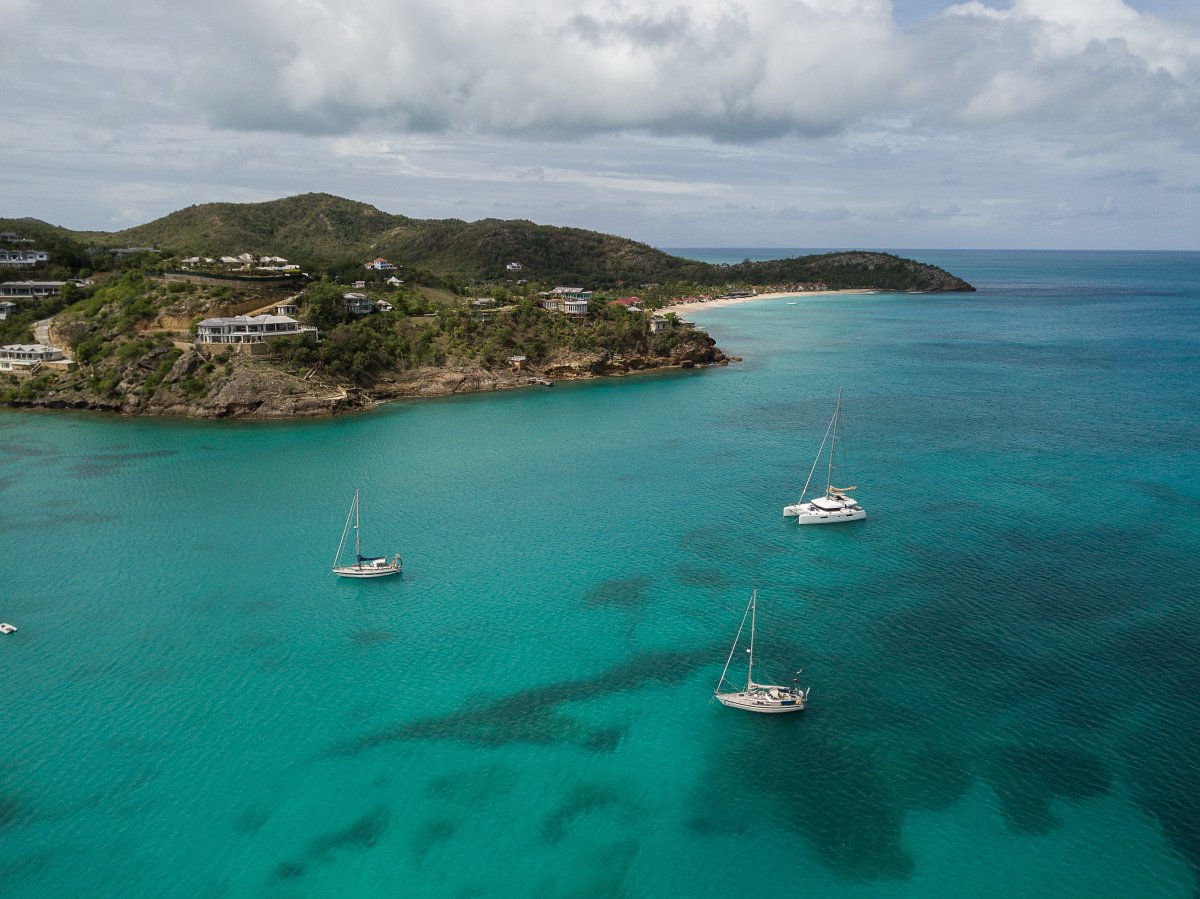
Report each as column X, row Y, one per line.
column 1003, row 656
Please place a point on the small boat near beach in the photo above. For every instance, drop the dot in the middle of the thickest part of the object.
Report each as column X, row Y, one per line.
column 769, row 699
column 834, row 505
column 6, row 628
column 364, row 566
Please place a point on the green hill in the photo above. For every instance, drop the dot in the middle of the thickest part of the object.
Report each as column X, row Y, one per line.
column 320, row 230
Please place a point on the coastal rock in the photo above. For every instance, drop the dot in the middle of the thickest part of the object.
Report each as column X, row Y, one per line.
column 238, row 387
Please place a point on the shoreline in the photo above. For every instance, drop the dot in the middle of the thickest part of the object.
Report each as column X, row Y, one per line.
column 680, row 308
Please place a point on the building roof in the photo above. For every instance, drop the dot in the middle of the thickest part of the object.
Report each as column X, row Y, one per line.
column 247, row 319
column 29, row 348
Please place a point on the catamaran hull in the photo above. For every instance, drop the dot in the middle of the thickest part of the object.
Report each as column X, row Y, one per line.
column 808, row 517
column 367, row 572
column 748, row 702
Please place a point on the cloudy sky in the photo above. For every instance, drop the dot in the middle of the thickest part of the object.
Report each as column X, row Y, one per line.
column 748, row 123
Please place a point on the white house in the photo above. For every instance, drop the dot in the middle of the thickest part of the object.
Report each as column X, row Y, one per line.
column 27, row 358
column 287, row 308
column 7, row 309
column 514, row 266
column 380, row 265
column 658, row 324
column 575, row 307
column 393, row 281
column 249, row 329
column 19, row 258
column 383, row 306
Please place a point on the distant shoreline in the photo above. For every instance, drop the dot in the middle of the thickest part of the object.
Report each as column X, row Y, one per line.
column 699, row 305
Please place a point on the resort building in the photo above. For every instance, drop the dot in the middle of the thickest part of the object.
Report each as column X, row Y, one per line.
column 29, row 358
column 290, row 307
column 31, row 289
column 575, row 307
column 380, row 265
column 249, row 331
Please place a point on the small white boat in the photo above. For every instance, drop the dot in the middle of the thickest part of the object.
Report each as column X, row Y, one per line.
column 769, row 699
column 834, row 505
column 364, row 566
column 791, row 302
column 6, row 628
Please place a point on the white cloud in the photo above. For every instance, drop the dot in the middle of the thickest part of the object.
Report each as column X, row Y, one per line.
column 631, row 115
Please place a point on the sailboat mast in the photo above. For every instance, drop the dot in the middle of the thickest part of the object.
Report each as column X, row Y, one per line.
column 753, row 611
column 357, row 533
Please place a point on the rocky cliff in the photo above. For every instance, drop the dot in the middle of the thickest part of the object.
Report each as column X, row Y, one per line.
column 242, row 388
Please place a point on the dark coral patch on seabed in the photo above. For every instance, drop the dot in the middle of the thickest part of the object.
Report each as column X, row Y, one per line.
column 531, row 716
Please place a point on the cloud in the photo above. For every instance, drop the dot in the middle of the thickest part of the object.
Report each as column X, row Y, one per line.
column 728, row 70
column 824, row 121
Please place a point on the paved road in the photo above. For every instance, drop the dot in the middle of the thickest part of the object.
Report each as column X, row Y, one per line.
column 41, row 332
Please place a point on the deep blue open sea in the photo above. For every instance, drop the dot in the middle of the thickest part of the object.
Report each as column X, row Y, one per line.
column 1004, row 657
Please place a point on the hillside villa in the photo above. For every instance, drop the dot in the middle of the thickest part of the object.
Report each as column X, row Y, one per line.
column 249, row 333
column 29, row 358
column 31, row 289
column 23, row 258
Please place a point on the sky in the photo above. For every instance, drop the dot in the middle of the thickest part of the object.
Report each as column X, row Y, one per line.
column 1042, row 124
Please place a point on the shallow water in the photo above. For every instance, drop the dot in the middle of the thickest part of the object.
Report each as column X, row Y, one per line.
column 1002, row 657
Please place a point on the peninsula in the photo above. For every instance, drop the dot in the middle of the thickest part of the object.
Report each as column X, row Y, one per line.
column 314, row 305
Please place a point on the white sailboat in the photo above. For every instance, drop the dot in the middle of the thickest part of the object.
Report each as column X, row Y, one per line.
column 364, row 566
column 834, row 505
column 770, row 699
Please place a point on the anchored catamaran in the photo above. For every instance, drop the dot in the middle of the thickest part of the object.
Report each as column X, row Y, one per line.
column 834, row 505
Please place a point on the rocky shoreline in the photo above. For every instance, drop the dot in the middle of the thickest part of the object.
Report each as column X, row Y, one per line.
column 252, row 390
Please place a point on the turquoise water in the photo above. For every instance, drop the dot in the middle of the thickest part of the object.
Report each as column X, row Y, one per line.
column 1002, row 657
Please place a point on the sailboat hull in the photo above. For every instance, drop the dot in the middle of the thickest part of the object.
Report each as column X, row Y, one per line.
column 763, row 704
column 366, row 571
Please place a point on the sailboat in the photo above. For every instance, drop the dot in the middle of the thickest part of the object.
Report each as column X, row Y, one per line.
column 364, row 566
column 770, row 699
column 834, row 505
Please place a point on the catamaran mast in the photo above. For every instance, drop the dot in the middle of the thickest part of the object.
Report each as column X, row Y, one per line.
column 837, row 410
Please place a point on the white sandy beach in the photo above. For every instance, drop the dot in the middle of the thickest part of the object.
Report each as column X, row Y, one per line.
column 687, row 308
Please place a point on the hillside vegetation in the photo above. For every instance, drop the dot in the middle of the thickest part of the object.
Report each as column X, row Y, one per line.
column 320, row 230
